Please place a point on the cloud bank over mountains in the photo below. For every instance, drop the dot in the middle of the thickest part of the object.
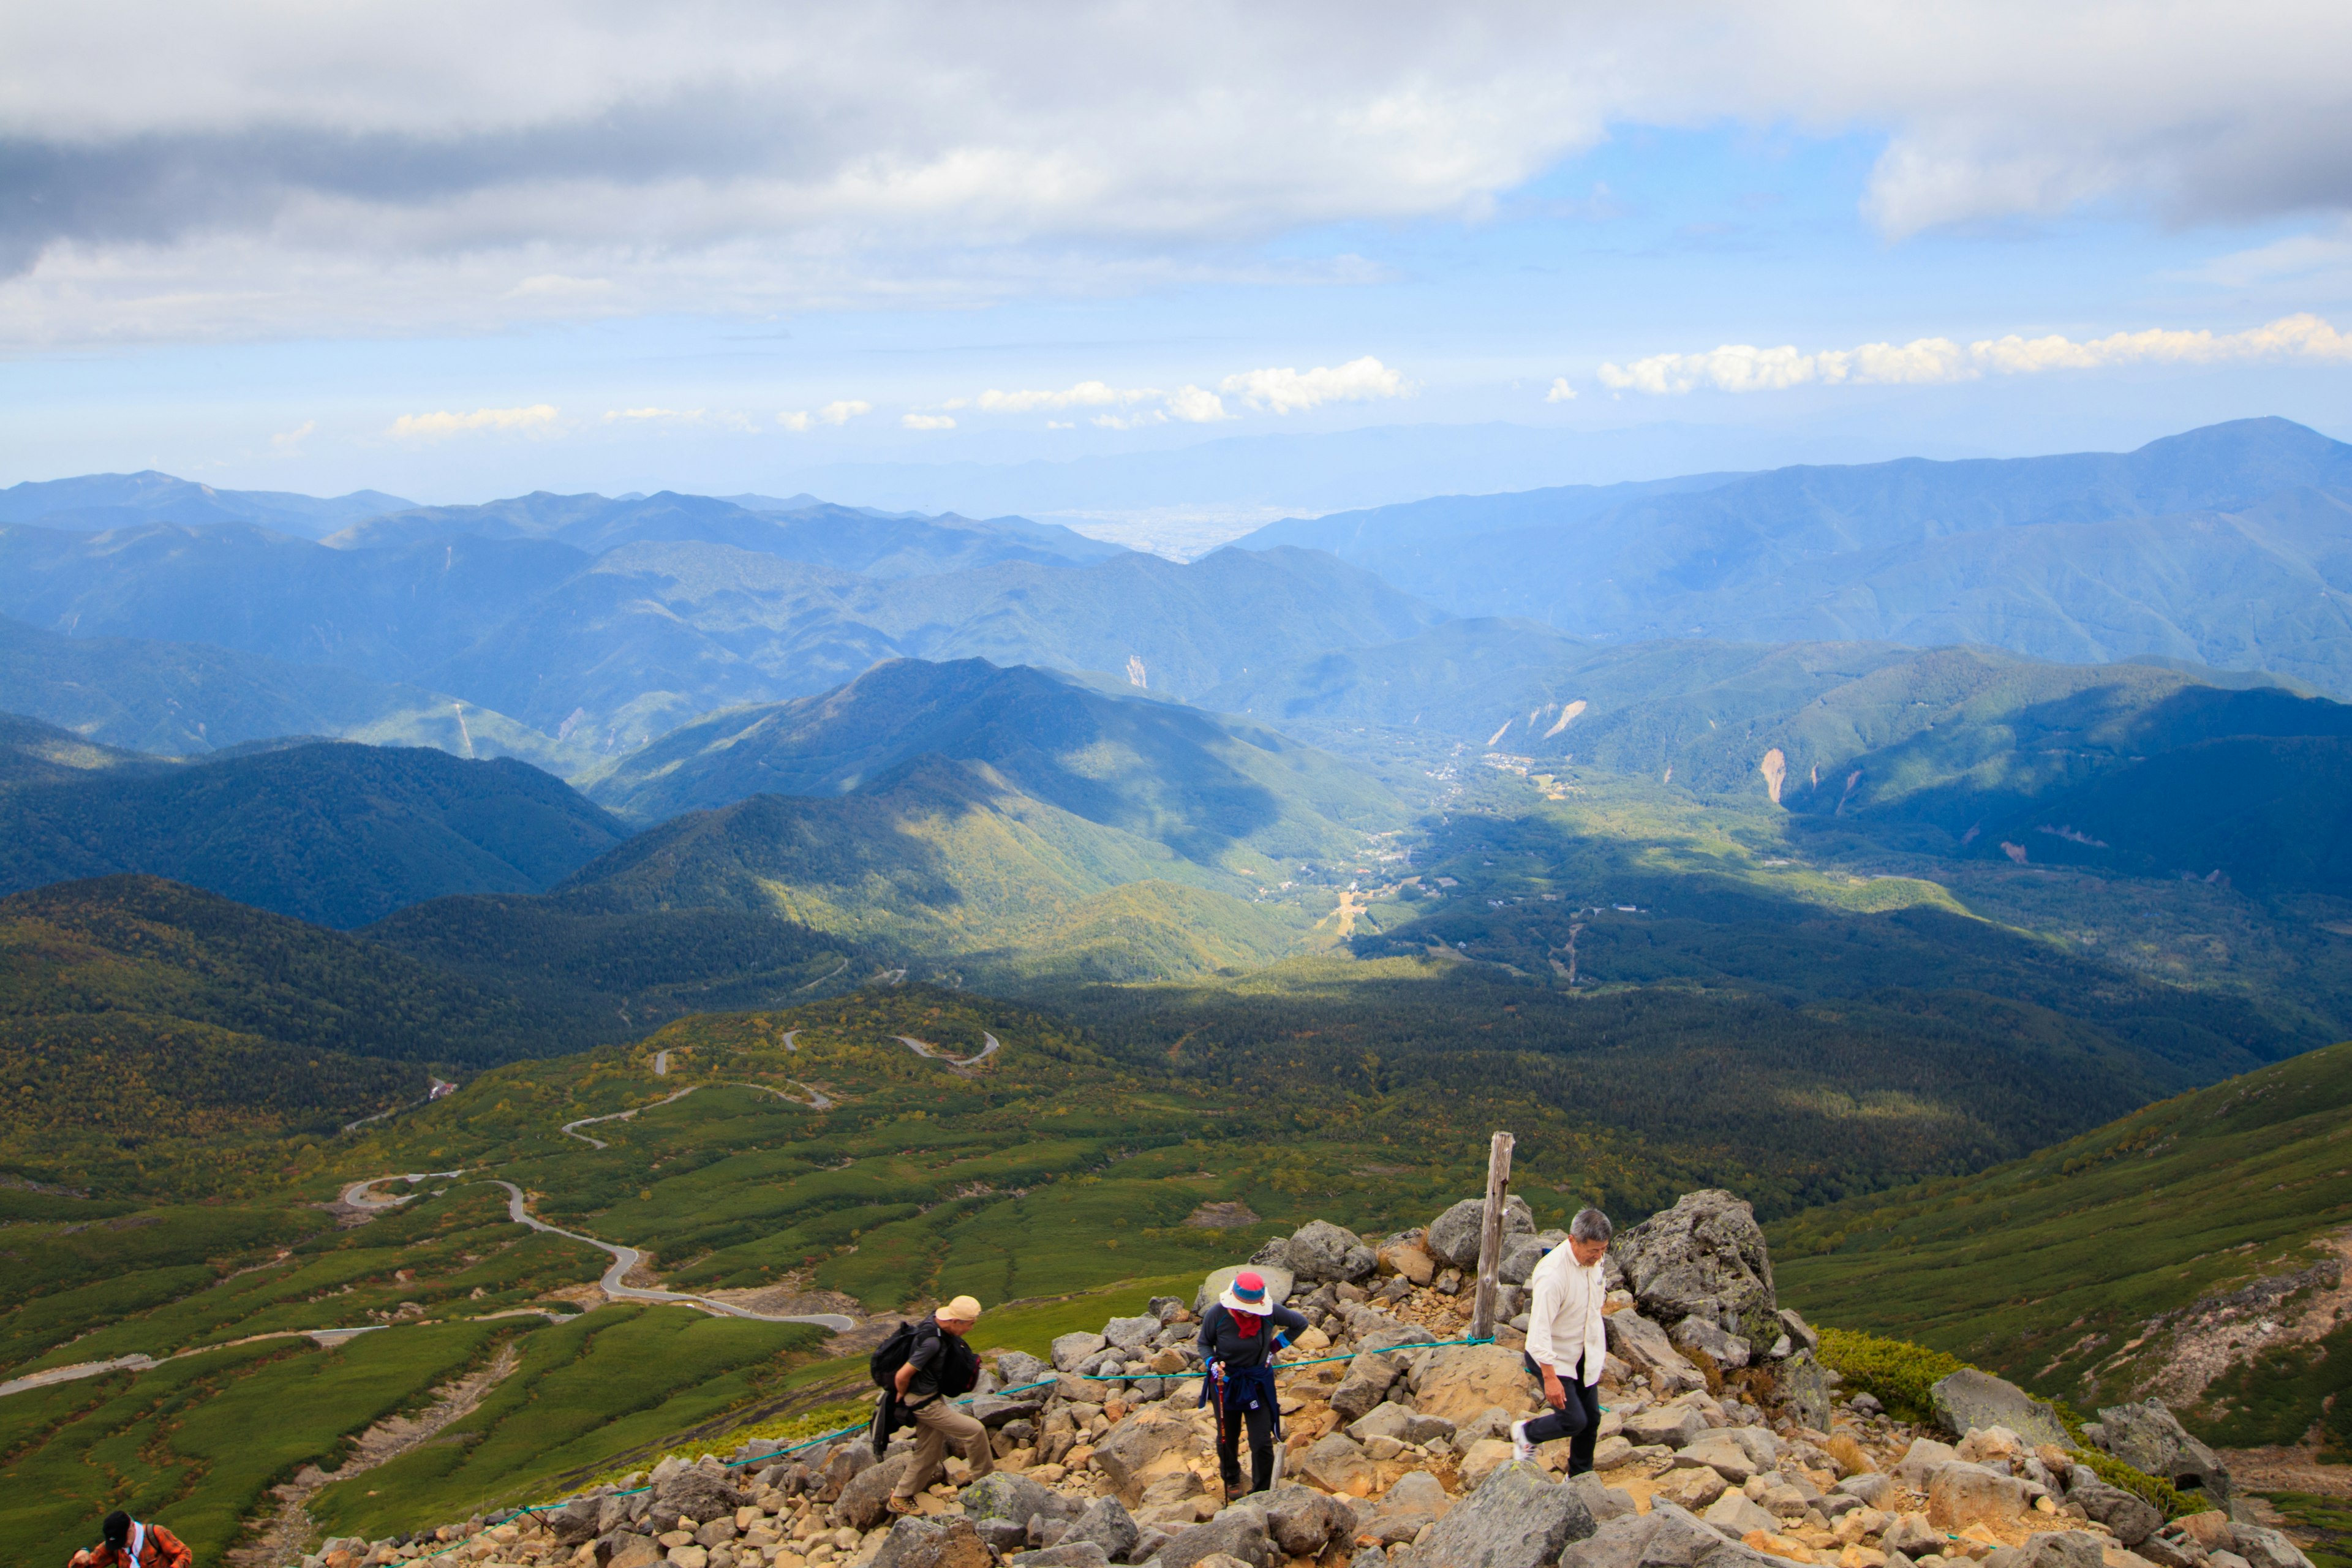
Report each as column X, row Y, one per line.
column 433, row 164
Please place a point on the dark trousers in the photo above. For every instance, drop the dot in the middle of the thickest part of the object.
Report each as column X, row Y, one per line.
column 1259, row 1420
column 1579, row 1420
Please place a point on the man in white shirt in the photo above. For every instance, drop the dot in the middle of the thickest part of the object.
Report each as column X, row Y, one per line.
column 1567, row 1344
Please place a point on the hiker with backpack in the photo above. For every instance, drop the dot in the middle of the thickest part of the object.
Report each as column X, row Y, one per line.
column 127, row 1542
column 922, row 1367
column 1239, row 1335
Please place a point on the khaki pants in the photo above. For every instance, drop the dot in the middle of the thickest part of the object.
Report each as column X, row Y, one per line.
column 939, row 1423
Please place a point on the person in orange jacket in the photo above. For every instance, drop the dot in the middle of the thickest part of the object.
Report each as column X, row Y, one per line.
column 130, row 1545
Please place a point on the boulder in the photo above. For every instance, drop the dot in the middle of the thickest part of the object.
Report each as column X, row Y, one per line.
column 1279, row 1282
column 1519, row 1518
column 696, row 1493
column 1106, row 1523
column 1801, row 1333
column 1912, row 1535
column 1706, row 1255
column 1336, row 1464
column 1670, row 1425
column 1369, row 1378
column 1321, row 1251
column 1075, row 1555
column 1132, row 1335
column 1611, row 1452
column 1961, row 1494
column 1302, row 1521
column 932, row 1543
column 1460, row 1385
column 1017, row 1368
column 2263, row 1548
column 1644, row 1346
column 575, row 1522
column 1804, row 1389
column 2149, row 1438
column 1410, row 1259
column 993, row 1410
column 1733, row 1512
column 1666, row 1537
column 1969, row 1398
column 1603, row 1501
column 1238, row 1532
column 1692, row 1489
column 1870, row 1488
column 1717, row 1451
column 2130, row 1517
column 1920, row 1460
column 1701, row 1333
column 1128, row 1452
column 2051, row 1549
column 1453, row 1235
column 1072, row 1351
column 1520, row 1256
column 862, row 1503
column 632, row 1552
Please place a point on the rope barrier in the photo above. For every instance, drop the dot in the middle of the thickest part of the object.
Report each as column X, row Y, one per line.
column 534, row 1510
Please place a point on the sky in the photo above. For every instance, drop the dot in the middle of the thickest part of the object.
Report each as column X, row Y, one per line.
column 1173, row 267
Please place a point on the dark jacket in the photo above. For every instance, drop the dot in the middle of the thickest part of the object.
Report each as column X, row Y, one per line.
column 1222, row 1340
column 943, row 1363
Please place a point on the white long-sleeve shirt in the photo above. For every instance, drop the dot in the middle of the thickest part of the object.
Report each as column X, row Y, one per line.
column 1564, row 1321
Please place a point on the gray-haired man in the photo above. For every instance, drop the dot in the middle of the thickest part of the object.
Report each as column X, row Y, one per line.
column 1567, row 1345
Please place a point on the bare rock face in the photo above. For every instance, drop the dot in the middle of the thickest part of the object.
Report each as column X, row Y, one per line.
column 1519, row 1518
column 2148, row 1438
column 1704, row 1256
column 1969, row 1398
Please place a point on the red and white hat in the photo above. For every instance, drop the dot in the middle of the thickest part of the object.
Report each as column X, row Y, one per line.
column 1247, row 1293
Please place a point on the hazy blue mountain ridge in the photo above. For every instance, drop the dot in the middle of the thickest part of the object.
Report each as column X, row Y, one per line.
column 98, row 502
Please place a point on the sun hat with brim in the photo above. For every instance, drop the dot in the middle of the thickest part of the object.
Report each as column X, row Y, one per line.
column 1247, row 1293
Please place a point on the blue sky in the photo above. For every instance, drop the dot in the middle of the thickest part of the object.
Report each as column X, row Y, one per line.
column 470, row 293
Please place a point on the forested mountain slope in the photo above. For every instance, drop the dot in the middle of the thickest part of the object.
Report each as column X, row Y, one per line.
column 331, row 832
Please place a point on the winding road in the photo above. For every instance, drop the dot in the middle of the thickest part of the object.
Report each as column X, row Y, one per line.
column 922, row 1048
column 818, row 1100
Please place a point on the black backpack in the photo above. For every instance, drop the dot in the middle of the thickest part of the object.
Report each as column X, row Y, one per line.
column 891, row 1354
column 958, row 1373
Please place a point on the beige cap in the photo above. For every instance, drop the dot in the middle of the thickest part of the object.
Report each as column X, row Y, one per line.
column 963, row 1310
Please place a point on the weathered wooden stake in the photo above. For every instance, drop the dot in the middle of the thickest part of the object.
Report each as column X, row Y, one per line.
column 1490, row 1236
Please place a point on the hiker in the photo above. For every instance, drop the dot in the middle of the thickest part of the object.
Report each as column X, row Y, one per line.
column 1238, row 1339
column 131, row 1544
column 1567, row 1345
column 938, row 1366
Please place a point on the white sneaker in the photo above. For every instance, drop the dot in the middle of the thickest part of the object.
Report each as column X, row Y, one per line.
column 1521, row 1450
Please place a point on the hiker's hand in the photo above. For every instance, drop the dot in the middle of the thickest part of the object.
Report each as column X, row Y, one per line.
column 1554, row 1394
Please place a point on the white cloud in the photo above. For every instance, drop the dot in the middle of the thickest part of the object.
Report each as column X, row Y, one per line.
column 926, row 421
column 837, row 413
column 538, row 418
column 1086, row 394
column 1194, row 406
column 1560, row 391
column 1285, row 391
column 287, row 441
column 1739, row 367
column 440, row 162
column 655, row 415
column 1061, row 425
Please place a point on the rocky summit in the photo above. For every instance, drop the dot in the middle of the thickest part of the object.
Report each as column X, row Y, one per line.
column 1726, row 1443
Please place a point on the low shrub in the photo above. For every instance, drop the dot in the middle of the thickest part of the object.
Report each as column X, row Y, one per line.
column 1896, row 1372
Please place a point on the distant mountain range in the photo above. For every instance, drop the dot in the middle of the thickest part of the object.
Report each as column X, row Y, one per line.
column 2230, row 546
column 99, row 501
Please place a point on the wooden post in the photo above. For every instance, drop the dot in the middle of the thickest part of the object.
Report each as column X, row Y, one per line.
column 1490, row 1238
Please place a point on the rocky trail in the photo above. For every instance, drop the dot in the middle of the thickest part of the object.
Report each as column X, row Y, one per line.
column 1725, row 1443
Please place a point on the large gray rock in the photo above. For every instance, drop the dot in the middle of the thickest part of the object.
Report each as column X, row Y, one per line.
column 1960, row 1494
column 1132, row 1335
column 1801, row 1333
column 932, row 1543
column 1064, row 1554
column 1920, row 1460
column 1130, row 1446
column 1735, row 1515
column 1667, row 1536
column 1000, row 1494
column 1237, row 1533
column 1302, row 1521
column 1321, row 1251
column 1519, row 1518
column 1279, row 1283
column 863, row 1503
column 698, row 1494
column 1073, row 1350
column 1108, row 1525
column 1971, row 1399
column 1017, row 1368
column 1603, row 1501
column 1520, row 1256
column 1869, row 1488
column 2264, row 1547
column 2131, row 1517
column 2149, row 1438
column 2051, row 1549
column 1453, row 1235
column 1641, row 1345
column 1804, row 1390
column 1672, row 1425
column 1370, row 1377
column 1704, row 1256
